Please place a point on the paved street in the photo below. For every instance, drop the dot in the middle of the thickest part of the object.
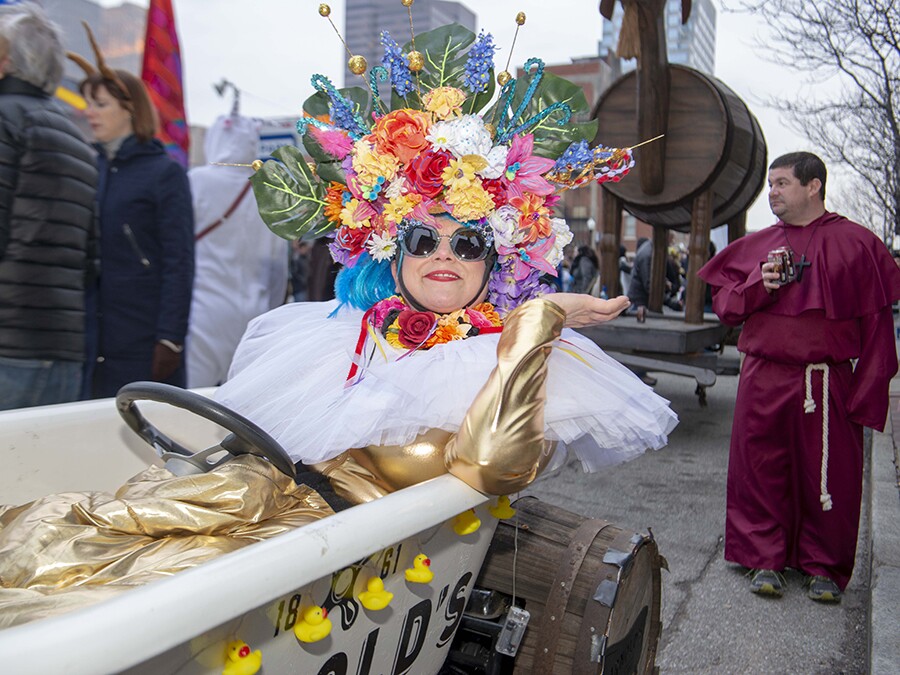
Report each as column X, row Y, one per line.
column 711, row 622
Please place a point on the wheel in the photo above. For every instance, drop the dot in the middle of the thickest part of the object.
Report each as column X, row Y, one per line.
column 245, row 437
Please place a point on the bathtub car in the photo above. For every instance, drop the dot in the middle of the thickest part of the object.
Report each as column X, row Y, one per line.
column 184, row 624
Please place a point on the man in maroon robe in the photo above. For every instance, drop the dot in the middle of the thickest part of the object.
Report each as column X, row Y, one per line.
column 795, row 468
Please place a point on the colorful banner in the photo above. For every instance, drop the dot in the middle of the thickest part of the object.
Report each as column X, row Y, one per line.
column 161, row 73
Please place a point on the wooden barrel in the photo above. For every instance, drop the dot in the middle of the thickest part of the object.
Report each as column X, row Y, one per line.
column 593, row 590
column 713, row 141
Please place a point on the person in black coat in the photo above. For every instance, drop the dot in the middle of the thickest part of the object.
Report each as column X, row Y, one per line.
column 48, row 179
column 143, row 297
column 585, row 268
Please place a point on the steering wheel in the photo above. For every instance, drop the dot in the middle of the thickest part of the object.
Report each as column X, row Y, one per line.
column 245, row 437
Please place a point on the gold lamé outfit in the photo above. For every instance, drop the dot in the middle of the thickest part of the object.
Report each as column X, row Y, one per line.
column 78, row 548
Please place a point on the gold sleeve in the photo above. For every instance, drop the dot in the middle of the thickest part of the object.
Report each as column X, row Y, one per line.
column 500, row 446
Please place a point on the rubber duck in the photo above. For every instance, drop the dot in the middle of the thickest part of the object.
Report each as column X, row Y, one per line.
column 502, row 511
column 239, row 660
column 375, row 597
column 466, row 523
column 419, row 572
column 314, row 625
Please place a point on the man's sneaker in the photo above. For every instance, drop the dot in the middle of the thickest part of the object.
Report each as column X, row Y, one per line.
column 767, row 582
column 823, row 589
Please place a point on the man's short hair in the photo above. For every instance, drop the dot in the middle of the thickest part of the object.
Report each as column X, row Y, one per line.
column 33, row 45
column 806, row 166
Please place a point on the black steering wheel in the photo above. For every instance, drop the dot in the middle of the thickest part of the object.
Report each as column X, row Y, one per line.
column 245, row 437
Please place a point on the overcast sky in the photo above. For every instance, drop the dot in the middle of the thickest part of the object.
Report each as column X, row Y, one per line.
column 270, row 48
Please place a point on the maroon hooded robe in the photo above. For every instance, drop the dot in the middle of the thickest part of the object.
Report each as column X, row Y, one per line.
column 794, row 489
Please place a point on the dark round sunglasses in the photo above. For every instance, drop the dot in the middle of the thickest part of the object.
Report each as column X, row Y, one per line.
column 467, row 244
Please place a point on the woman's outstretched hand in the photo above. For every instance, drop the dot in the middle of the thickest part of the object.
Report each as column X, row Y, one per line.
column 586, row 310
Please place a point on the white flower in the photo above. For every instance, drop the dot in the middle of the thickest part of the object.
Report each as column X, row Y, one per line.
column 443, row 135
column 563, row 238
column 396, row 188
column 381, row 247
column 496, row 160
column 472, row 137
column 505, row 223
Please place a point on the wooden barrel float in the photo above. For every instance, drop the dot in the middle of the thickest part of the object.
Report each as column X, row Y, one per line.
column 713, row 141
column 593, row 590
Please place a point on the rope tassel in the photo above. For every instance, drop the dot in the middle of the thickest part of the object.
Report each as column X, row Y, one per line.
column 809, row 406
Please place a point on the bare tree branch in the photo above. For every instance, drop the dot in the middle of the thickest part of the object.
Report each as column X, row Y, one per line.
column 857, row 42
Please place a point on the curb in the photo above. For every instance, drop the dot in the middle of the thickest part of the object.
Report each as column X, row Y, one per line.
column 884, row 614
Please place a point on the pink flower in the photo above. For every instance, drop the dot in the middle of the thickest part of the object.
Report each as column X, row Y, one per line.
column 524, row 171
column 527, row 258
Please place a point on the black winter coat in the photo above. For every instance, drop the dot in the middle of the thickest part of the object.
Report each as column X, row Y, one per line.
column 146, row 265
column 48, row 178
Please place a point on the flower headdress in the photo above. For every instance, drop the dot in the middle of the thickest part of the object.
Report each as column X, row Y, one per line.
column 434, row 144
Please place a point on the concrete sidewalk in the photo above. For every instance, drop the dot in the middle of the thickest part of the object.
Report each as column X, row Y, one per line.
column 884, row 614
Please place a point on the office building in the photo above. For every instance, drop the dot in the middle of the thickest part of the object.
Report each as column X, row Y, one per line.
column 692, row 44
column 365, row 19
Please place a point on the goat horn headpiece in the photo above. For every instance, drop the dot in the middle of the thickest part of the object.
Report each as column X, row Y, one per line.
column 89, row 70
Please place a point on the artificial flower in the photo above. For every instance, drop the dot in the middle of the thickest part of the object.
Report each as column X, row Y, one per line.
column 356, row 214
column 381, row 246
column 334, row 202
column 524, row 171
column 505, row 224
column 562, row 237
column 470, row 201
column 415, row 327
column 444, row 102
column 399, row 207
column 424, row 173
column 402, row 133
column 458, row 173
column 483, row 315
column 370, row 165
column 469, row 136
column 448, row 332
column 479, row 64
column 349, row 243
column 534, row 218
column 496, row 162
column 527, row 258
column 442, row 136
column 397, row 63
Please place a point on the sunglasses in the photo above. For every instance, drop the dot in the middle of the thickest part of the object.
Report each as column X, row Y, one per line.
column 467, row 244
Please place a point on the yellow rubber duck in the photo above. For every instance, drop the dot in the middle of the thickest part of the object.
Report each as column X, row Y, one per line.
column 466, row 523
column 314, row 625
column 239, row 660
column 502, row 511
column 375, row 597
column 419, row 572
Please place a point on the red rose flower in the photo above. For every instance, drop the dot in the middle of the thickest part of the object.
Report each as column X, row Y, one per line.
column 353, row 241
column 415, row 327
column 424, row 172
column 496, row 187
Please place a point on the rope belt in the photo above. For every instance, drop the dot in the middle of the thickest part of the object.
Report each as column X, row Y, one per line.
column 809, row 406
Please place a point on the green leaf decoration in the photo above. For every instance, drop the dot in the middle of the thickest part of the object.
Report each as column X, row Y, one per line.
column 290, row 198
column 445, row 51
column 551, row 140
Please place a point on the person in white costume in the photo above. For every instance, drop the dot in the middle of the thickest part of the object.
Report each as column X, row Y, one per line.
column 241, row 267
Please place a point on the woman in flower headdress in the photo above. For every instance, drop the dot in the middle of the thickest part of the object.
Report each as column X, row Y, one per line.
column 445, row 349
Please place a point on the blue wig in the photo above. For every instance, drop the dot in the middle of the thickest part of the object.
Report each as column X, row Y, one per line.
column 365, row 283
